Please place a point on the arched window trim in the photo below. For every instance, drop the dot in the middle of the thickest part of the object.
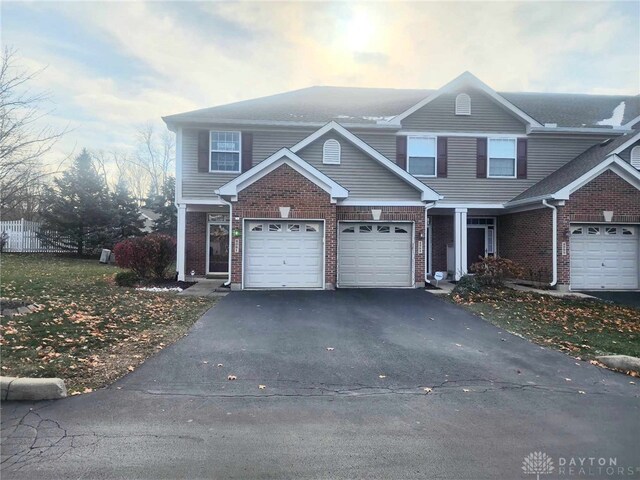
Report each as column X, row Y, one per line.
column 331, row 152
column 463, row 104
column 635, row 157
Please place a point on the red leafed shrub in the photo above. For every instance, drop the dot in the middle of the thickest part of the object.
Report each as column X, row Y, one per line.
column 149, row 256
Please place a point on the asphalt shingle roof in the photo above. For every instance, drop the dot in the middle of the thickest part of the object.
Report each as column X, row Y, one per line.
column 574, row 169
column 348, row 105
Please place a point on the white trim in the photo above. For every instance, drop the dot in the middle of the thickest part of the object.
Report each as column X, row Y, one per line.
column 633, row 139
column 631, row 122
column 614, row 163
column 427, row 242
column 281, row 220
column 239, row 152
column 469, row 205
column 467, row 78
column 178, row 192
column 181, row 235
column 579, row 130
column 406, row 133
column 203, row 201
column 427, row 193
column 171, row 122
column 460, row 242
column 515, row 158
column 435, row 157
column 380, row 203
column 554, row 243
column 282, row 157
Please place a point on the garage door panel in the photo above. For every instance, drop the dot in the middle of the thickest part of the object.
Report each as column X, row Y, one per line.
column 373, row 255
column 284, row 255
column 604, row 257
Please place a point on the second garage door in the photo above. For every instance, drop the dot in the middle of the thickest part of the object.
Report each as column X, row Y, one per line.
column 283, row 254
column 604, row 257
column 375, row 254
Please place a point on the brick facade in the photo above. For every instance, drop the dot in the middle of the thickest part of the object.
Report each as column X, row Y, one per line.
column 441, row 235
column 526, row 239
column 196, row 243
column 284, row 187
column 607, row 192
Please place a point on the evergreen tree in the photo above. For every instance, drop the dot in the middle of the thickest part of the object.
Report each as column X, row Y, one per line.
column 164, row 206
column 126, row 221
column 78, row 208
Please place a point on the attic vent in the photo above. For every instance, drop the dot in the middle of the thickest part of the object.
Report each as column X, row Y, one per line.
column 331, row 152
column 635, row 157
column 463, row 104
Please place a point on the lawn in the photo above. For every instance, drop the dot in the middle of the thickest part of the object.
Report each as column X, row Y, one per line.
column 581, row 327
column 88, row 330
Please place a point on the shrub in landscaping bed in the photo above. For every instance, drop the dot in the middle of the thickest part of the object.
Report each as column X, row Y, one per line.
column 127, row 278
column 149, row 256
column 493, row 271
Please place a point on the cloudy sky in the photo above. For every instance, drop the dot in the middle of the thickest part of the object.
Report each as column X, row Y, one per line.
column 111, row 67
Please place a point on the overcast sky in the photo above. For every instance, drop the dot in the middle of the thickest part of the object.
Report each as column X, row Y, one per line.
column 114, row 66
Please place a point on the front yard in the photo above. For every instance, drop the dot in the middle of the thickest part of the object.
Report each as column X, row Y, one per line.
column 581, row 327
column 88, row 331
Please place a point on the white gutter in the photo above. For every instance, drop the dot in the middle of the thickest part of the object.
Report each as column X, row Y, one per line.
column 426, row 239
column 554, row 209
column 228, row 282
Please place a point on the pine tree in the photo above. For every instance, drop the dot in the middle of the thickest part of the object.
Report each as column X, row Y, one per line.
column 78, row 208
column 164, row 206
column 126, row 221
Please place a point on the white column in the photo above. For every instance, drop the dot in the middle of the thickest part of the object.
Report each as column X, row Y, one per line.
column 181, row 241
column 460, row 241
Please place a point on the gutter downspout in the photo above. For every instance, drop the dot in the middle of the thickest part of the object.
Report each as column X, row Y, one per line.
column 426, row 239
column 554, row 209
column 228, row 282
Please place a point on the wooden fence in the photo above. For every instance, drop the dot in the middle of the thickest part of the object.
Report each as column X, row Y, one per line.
column 23, row 237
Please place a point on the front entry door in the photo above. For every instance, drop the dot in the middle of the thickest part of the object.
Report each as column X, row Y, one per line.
column 218, row 248
column 475, row 245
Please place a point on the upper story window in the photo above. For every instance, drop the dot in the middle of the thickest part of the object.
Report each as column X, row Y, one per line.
column 635, row 157
column 463, row 104
column 331, row 152
column 225, row 152
column 502, row 157
column 421, row 156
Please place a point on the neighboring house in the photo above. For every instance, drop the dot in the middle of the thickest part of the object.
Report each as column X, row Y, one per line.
column 149, row 218
column 355, row 187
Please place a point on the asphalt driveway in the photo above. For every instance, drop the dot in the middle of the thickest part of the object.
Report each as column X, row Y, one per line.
column 345, row 374
column 630, row 299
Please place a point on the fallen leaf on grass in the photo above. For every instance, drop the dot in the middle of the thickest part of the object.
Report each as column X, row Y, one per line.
column 130, row 368
column 428, row 389
column 88, row 390
column 232, row 377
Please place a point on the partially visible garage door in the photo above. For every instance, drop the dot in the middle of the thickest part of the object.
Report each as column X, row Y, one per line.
column 374, row 254
column 283, row 254
column 604, row 257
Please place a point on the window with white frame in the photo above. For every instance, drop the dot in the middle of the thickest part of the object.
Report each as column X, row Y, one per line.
column 331, row 152
column 225, row 152
column 502, row 157
column 463, row 104
column 421, row 156
column 635, row 157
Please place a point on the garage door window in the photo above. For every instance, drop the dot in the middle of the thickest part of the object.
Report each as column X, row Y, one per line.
column 310, row 227
column 384, row 229
column 293, row 227
column 610, row 231
column 577, row 231
column 627, row 231
column 275, row 227
column 366, row 228
column 255, row 227
column 349, row 230
column 401, row 230
column 593, row 231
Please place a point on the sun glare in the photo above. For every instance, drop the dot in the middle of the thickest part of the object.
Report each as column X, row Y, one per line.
column 360, row 31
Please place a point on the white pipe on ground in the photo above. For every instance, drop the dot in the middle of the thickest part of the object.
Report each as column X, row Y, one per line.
column 554, row 209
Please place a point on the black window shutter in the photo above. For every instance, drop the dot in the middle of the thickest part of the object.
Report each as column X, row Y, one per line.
column 401, row 152
column 442, row 157
column 203, row 151
column 522, row 158
column 481, row 158
column 247, row 151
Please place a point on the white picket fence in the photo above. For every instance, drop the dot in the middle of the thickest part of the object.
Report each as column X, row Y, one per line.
column 23, row 237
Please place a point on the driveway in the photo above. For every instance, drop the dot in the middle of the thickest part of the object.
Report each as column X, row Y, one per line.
column 358, row 411
column 630, row 299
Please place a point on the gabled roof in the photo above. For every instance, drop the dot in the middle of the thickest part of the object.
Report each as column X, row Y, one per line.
column 369, row 107
column 467, row 79
column 427, row 194
column 598, row 157
column 283, row 156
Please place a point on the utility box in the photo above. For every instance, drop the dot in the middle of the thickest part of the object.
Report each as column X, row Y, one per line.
column 105, row 256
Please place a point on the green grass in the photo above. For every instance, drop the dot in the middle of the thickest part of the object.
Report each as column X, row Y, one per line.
column 88, row 330
column 582, row 327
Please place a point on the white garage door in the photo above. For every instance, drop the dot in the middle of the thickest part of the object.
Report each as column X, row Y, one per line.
column 283, row 254
column 604, row 257
column 374, row 255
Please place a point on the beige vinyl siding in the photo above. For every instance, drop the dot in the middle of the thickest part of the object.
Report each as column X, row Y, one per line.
column 202, row 184
column 385, row 143
column 364, row 177
column 626, row 153
column 545, row 155
column 486, row 116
